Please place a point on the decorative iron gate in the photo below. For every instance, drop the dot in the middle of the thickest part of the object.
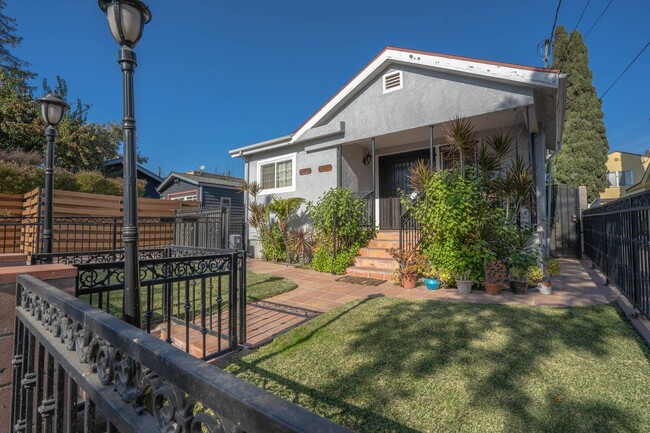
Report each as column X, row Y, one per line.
column 565, row 238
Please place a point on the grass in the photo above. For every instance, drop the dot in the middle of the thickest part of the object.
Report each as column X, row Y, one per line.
column 394, row 365
column 258, row 287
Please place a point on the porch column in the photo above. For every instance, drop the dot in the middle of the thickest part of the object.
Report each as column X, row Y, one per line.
column 431, row 152
column 516, row 136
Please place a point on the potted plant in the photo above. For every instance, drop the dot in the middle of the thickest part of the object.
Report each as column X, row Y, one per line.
column 552, row 267
column 496, row 275
column 519, row 262
column 518, row 280
column 535, row 276
column 464, row 283
column 411, row 263
column 432, row 281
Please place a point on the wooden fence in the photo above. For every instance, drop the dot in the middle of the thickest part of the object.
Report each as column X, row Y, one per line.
column 86, row 222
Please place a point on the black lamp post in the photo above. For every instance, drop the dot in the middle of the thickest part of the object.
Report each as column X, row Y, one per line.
column 126, row 19
column 53, row 109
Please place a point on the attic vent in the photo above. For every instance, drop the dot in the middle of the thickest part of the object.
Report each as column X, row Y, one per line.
column 392, row 81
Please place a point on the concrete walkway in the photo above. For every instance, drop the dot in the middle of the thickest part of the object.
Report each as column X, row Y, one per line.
column 317, row 292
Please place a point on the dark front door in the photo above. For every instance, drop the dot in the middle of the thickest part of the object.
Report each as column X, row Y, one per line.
column 565, row 236
column 393, row 178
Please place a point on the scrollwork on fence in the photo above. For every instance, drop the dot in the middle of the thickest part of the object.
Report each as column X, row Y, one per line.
column 138, row 386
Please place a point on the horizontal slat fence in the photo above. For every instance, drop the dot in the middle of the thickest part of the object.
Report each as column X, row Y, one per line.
column 87, row 222
column 11, row 205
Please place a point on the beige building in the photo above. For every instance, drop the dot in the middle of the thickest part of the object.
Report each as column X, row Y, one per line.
column 625, row 171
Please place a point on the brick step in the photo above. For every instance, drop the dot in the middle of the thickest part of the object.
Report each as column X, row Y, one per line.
column 383, row 243
column 374, row 252
column 13, row 259
column 370, row 272
column 391, row 235
column 59, row 275
column 375, row 262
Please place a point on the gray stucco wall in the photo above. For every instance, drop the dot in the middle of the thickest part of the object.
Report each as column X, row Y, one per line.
column 427, row 98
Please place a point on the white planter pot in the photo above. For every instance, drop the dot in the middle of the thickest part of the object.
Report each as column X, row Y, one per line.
column 464, row 286
column 545, row 290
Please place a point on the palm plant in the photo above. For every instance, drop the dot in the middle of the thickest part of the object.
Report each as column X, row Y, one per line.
column 302, row 242
column 516, row 186
column 284, row 210
column 460, row 133
column 419, row 175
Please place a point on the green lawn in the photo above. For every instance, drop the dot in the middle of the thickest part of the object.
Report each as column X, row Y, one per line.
column 258, row 286
column 393, row 365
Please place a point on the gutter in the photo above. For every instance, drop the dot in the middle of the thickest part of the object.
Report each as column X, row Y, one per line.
column 258, row 147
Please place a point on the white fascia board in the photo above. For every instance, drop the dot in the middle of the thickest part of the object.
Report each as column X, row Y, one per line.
column 460, row 66
column 261, row 146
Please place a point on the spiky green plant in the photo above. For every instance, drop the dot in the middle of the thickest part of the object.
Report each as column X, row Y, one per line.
column 284, row 210
column 460, row 133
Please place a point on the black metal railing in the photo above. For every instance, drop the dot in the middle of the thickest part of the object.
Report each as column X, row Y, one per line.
column 410, row 233
column 617, row 241
column 76, row 368
column 186, row 291
column 368, row 199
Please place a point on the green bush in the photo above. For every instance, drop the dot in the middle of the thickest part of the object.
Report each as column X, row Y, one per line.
column 94, row 182
column 273, row 247
column 344, row 207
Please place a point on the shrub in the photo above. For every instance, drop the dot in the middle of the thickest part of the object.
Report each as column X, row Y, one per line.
column 324, row 261
column 273, row 247
column 94, row 182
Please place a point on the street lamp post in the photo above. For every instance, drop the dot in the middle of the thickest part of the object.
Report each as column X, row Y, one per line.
column 126, row 19
column 53, row 109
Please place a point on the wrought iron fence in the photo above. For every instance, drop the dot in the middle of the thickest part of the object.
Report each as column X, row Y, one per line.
column 204, row 228
column 76, row 368
column 410, row 234
column 617, row 241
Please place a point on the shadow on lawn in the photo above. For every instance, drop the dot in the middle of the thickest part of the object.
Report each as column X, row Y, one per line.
column 423, row 339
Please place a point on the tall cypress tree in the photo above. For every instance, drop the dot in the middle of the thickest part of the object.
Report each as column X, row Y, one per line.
column 583, row 158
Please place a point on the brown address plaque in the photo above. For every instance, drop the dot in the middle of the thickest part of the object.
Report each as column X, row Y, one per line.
column 305, row 171
column 325, row 168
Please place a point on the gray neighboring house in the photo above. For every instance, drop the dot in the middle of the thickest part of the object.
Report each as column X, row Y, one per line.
column 394, row 112
column 210, row 190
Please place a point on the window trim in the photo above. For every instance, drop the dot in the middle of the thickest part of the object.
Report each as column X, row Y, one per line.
column 392, row 89
column 288, row 157
column 618, row 174
column 182, row 195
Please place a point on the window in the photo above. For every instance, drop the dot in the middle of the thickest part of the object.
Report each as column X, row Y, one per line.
column 277, row 174
column 392, row 81
column 620, row 178
column 184, row 196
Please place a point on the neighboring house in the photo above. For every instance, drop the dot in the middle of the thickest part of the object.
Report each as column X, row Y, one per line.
column 115, row 168
column 624, row 170
column 210, row 190
column 644, row 183
column 394, row 112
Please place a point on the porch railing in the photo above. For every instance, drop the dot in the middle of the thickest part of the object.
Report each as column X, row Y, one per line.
column 192, row 297
column 410, row 233
column 617, row 241
column 77, row 368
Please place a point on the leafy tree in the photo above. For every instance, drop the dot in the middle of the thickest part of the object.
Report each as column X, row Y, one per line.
column 584, row 151
column 21, row 127
column 9, row 39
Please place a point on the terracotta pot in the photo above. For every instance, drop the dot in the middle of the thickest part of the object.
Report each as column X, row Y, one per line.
column 409, row 281
column 492, row 288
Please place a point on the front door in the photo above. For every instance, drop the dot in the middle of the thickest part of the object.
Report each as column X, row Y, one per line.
column 393, row 178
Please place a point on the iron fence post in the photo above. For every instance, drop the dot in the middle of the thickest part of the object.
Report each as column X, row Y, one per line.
column 232, row 302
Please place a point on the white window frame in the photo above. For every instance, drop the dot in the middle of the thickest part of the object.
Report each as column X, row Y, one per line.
column 190, row 195
column 287, row 157
column 392, row 89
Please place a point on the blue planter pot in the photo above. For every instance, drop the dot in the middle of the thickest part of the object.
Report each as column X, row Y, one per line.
column 432, row 283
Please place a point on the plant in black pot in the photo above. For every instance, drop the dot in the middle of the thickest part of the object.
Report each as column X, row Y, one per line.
column 518, row 264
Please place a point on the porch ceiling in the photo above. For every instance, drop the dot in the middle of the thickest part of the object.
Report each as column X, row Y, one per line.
column 483, row 123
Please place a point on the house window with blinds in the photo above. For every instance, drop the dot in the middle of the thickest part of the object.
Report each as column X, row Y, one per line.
column 278, row 174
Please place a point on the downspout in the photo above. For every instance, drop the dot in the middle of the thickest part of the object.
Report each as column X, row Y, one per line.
column 431, row 157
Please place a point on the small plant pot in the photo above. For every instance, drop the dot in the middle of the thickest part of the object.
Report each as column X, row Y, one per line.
column 492, row 288
column 519, row 287
column 409, row 281
column 432, row 283
column 545, row 288
column 464, row 286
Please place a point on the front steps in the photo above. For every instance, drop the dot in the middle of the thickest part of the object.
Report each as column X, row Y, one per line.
column 374, row 261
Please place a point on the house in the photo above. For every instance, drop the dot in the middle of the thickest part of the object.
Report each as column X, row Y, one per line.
column 625, row 171
column 394, row 112
column 210, row 190
column 115, row 168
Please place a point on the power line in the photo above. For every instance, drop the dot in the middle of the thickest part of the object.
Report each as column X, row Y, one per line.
column 574, row 30
column 599, row 17
column 557, row 11
column 625, row 70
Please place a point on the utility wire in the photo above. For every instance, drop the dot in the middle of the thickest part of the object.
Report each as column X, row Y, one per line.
column 599, row 17
column 574, row 30
column 557, row 11
column 624, row 71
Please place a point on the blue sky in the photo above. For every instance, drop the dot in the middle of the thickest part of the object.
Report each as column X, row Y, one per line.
column 213, row 76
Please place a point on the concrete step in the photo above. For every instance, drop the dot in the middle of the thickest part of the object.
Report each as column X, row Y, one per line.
column 369, row 272
column 392, row 235
column 374, row 252
column 13, row 259
column 375, row 262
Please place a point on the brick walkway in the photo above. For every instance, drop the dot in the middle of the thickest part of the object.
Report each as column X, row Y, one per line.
column 317, row 292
